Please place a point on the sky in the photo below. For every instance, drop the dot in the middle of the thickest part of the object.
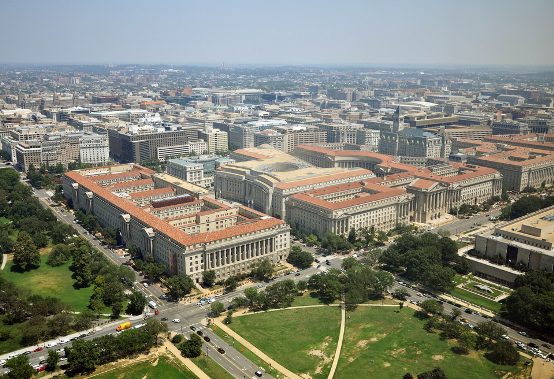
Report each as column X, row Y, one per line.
column 279, row 32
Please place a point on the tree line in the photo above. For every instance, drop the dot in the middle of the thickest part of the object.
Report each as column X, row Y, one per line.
column 426, row 258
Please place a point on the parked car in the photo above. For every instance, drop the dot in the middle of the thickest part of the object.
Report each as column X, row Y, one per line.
column 206, row 338
column 193, row 328
column 176, row 320
column 258, row 374
column 38, row 348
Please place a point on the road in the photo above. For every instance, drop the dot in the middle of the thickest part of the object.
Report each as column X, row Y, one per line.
column 463, row 224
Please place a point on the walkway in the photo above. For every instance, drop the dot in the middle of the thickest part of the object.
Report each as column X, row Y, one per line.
column 186, row 361
column 283, row 370
column 4, row 261
column 339, row 343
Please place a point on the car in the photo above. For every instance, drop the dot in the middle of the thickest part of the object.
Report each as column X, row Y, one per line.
column 505, row 337
column 38, row 348
column 63, row 341
column 145, row 285
column 546, row 345
column 2, row 362
column 317, row 261
column 297, row 274
column 327, row 262
column 419, row 294
column 176, row 320
column 467, row 310
column 164, row 318
column 523, row 334
column 206, row 338
column 220, row 350
column 61, row 351
column 258, row 374
column 199, row 332
column 533, row 345
column 193, row 328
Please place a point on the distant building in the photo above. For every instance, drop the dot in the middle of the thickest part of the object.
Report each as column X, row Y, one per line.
column 509, row 127
column 198, row 170
column 286, row 138
column 217, row 140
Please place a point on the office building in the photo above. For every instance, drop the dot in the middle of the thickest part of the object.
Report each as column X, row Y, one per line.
column 187, row 233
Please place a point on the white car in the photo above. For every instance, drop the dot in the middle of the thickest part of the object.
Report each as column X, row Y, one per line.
column 63, row 341
column 176, row 320
column 51, row 344
column 2, row 362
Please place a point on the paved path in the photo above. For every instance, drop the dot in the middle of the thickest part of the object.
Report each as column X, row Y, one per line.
column 186, row 361
column 339, row 343
column 283, row 370
column 4, row 261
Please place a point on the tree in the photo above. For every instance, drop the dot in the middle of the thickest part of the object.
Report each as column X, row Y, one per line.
column 503, row 353
column 154, row 271
column 116, row 310
column 191, row 348
column 466, row 340
column 217, row 308
column 178, row 286
column 311, row 240
column 137, row 302
column 25, row 253
column 208, row 278
column 432, row 307
column 262, row 270
column 327, row 286
column 230, row 284
column 455, row 313
column 19, row 368
column 532, row 301
column 58, row 255
column 400, row 294
column 6, row 244
column 82, row 265
column 228, row 318
column 60, row 232
column 487, row 333
column 82, row 357
column 301, row 285
column 352, row 236
column 300, row 258
column 52, row 360
column 436, row 373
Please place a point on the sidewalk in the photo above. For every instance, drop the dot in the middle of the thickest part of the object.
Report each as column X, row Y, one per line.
column 339, row 342
column 4, row 261
column 286, row 372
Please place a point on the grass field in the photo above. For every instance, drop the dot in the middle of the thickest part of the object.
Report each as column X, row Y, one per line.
column 305, row 299
column 165, row 367
column 50, row 281
column 211, row 368
column 382, row 342
column 302, row 340
column 473, row 298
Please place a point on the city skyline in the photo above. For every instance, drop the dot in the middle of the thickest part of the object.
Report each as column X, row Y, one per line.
column 487, row 33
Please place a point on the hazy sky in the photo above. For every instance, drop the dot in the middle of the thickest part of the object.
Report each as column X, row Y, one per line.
column 442, row 32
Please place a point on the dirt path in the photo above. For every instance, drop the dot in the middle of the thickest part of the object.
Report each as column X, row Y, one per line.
column 283, row 370
column 186, row 361
column 4, row 261
column 339, row 343
column 542, row 369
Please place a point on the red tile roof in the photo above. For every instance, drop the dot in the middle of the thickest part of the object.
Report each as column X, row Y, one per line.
column 149, row 220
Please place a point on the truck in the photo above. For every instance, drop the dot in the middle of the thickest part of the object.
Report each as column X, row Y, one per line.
column 124, row 326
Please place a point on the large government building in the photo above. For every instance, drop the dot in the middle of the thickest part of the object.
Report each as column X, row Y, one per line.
column 525, row 241
column 175, row 223
column 321, row 190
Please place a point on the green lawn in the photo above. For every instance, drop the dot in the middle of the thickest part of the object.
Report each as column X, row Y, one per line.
column 246, row 352
column 302, row 340
column 211, row 368
column 12, row 343
column 50, row 281
column 476, row 299
column 305, row 299
column 165, row 367
column 385, row 343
